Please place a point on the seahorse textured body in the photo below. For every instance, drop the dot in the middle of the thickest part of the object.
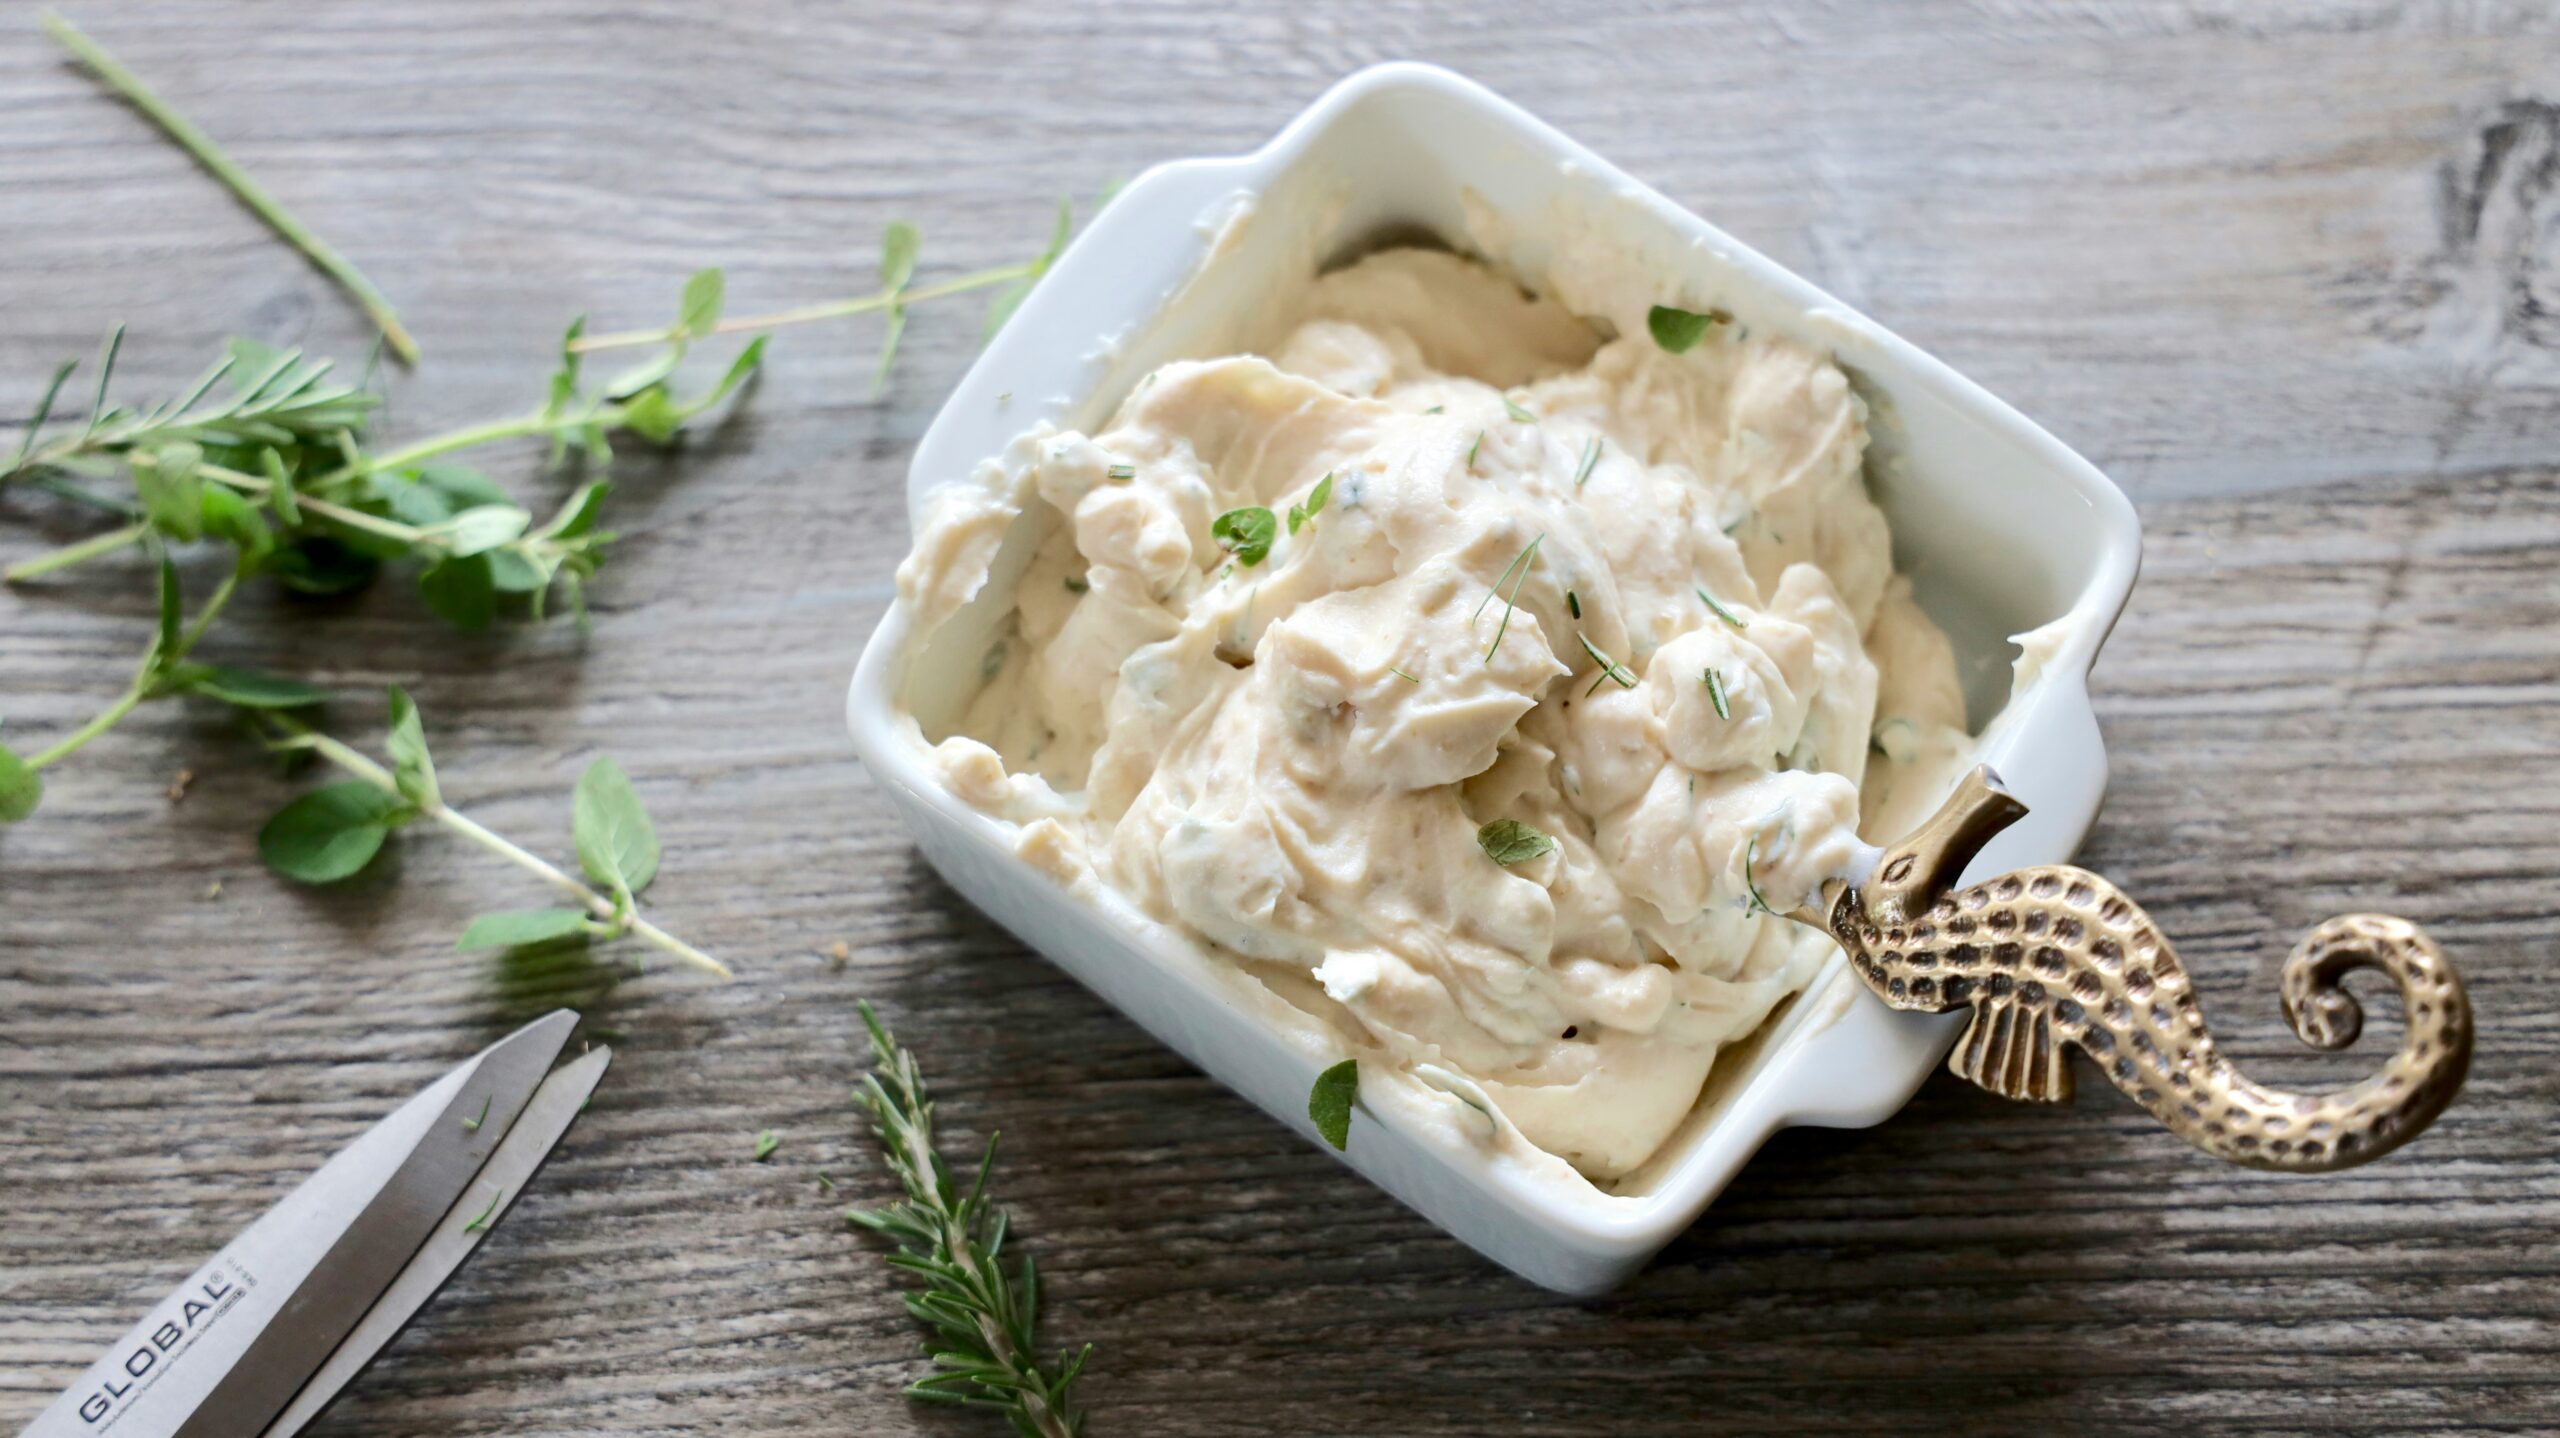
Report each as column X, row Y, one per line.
column 2057, row 957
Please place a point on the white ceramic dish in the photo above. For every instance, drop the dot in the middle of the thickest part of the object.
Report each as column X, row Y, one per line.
column 2002, row 528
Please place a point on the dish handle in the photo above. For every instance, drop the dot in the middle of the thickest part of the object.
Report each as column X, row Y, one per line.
column 2056, row 957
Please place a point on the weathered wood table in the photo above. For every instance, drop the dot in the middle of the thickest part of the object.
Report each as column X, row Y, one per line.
column 2295, row 283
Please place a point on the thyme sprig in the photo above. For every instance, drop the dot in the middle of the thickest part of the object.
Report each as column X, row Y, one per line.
column 983, row 1321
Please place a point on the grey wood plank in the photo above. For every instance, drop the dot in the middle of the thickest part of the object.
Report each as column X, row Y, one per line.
column 2285, row 274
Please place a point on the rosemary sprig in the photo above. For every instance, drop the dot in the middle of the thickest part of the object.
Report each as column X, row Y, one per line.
column 983, row 1322
column 1750, row 857
column 1714, row 680
column 250, row 193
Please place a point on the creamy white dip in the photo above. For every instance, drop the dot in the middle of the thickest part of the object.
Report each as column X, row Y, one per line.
column 1636, row 601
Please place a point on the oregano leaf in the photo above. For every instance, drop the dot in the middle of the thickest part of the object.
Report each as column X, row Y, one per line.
column 461, row 591
column 617, row 845
column 1246, row 533
column 1329, row 1102
column 699, row 310
column 521, row 927
column 330, row 833
column 250, row 689
column 21, row 787
column 412, row 768
column 1508, row 842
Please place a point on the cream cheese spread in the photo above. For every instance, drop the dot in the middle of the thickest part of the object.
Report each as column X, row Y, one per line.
column 1480, row 683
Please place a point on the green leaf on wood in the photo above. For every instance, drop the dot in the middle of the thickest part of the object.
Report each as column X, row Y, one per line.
column 412, row 768
column 330, row 833
column 518, row 928
column 617, row 845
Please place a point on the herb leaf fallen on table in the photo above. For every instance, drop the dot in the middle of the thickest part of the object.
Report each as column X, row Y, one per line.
column 953, row 1238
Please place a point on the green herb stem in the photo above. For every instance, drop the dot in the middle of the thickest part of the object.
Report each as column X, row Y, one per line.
column 825, row 310
column 250, row 193
column 71, row 554
column 79, row 738
column 302, row 736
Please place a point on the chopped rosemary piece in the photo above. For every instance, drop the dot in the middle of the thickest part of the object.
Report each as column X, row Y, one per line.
column 1590, row 457
column 1511, row 600
column 472, row 1125
column 1471, row 450
column 1121, row 471
column 481, row 1224
column 1435, row 409
column 1609, row 668
column 1715, row 691
column 1750, row 855
column 766, row 1143
column 1573, row 603
column 1075, row 585
column 1400, row 674
column 1518, row 415
column 1721, row 612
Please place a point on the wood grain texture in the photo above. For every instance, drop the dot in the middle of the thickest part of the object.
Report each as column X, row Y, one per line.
column 2292, row 281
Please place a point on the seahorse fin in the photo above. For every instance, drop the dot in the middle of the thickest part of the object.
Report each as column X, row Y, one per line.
column 2009, row 1049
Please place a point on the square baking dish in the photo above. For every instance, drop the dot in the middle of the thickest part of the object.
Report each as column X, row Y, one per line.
column 2001, row 527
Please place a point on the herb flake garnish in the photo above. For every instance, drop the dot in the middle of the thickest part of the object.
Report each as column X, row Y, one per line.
column 1471, row 451
column 472, row 1124
column 1677, row 330
column 1329, row 1102
column 1609, row 668
column 1246, row 533
column 1508, row 842
column 1400, row 674
column 766, row 1143
column 952, row 1237
column 1519, row 415
column 1075, row 585
column 1714, row 681
column 1435, row 409
column 1121, row 471
column 1590, row 458
column 1317, row 499
column 1720, row 611
column 1750, row 856
column 1511, row 600
column 1573, row 603
column 481, row 1224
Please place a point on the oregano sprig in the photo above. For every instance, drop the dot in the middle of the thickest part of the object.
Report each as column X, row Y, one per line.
column 332, row 832
column 983, row 1321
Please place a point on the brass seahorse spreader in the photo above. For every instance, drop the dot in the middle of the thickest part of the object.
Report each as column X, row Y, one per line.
column 2057, row 956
